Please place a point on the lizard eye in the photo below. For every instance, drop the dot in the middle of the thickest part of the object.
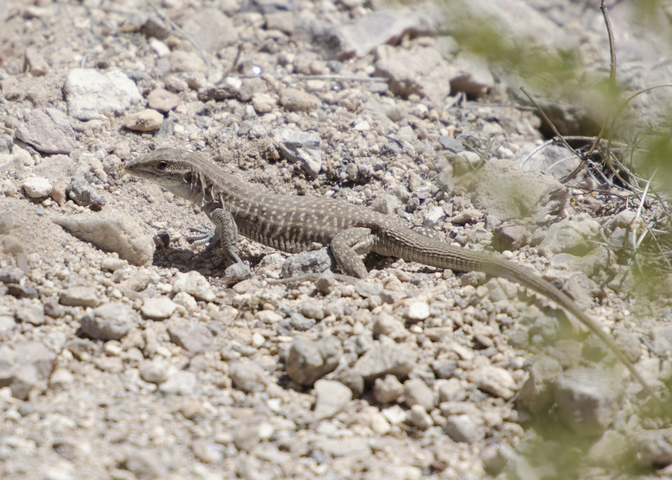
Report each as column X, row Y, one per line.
column 161, row 166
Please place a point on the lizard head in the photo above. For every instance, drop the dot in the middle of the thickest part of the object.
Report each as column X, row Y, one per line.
column 167, row 167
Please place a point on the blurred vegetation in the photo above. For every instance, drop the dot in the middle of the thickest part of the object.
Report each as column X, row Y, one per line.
column 635, row 172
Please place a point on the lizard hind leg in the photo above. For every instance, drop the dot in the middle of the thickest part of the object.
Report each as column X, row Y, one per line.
column 346, row 248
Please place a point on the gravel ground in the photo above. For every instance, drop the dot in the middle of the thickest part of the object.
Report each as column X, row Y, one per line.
column 124, row 355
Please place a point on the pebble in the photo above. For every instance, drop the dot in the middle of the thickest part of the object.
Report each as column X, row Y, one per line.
column 162, row 100
column 49, row 131
column 330, row 398
column 61, row 379
column 158, row 308
column 465, row 428
column 92, row 93
column 113, row 231
column 144, row 121
column 416, row 392
column 194, row 284
column 309, row 361
column 298, row 100
column 418, row 311
column 108, row 322
column 387, row 389
column 588, row 400
column 156, row 371
column 494, row 380
column 385, row 358
column 263, row 103
column 419, row 418
column 268, row 317
column 79, row 297
column 30, row 314
column 207, row 451
column 143, row 464
column 36, row 187
column 194, row 338
column 181, row 383
column 248, row 376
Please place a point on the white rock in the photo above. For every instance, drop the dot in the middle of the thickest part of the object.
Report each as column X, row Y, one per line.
column 194, row 284
column 418, row 311
column 37, row 187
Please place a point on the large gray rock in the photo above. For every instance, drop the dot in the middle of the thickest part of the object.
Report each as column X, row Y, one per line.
column 23, row 364
column 505, row 192
column 309, row 361
column 113, row 231
column 111, row 321
column 386, row 357
column 588, row 400
column 91, row 93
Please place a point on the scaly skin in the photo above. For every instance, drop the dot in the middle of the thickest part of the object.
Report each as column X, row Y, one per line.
column 294, row 224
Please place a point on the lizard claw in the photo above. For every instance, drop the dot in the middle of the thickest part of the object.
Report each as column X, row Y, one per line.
column 202, row 236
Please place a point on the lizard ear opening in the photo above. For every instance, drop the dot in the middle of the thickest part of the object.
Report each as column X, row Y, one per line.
column 161, row 166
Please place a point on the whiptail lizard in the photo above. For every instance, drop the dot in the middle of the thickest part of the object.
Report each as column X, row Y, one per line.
column 295, row 224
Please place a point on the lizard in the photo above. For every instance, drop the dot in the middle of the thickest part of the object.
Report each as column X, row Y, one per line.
column 295, row 223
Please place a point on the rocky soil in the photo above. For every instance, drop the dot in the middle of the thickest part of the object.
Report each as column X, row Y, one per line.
column 124, row 354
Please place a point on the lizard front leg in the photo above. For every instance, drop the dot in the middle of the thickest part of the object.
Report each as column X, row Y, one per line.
column 347, row 246
column 225, row 235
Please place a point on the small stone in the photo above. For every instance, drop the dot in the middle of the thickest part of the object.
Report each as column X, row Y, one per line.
column 248, row 376
column 451, row 390
column 194, row 284
column 588, row 400
column 388, row 389
column 246, row 437
column 465, row 428
column 298, row 100
column 30, row 314
column 156, row 371
column 36, row 187
column 538, row 392
column 494, row 380
column 444, row 368
column 158, row 308
column 207, row 451
column 49, row 131
column 61, row 379
column 418, row 311
column 109, row 364
column 35, row 62
column 309, row 361
column 386, row 358
column 144, row 465
column 394, row 414
column 331, row 398
column 419, row 418
column 194, row 338
column 107, row 322
column 653, row 447
column 263, row 103
column 112, row 264
column 417, row 392
column 162, row 100
column 268, row 317
column 11, row 274
column 91, row 93
column 389, row 326
column 182, row 383
column 83, row 193
column 144, row 121
column 191, row 409
column 495, row 457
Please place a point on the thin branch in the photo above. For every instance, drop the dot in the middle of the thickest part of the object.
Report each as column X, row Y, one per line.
column 183, row 33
